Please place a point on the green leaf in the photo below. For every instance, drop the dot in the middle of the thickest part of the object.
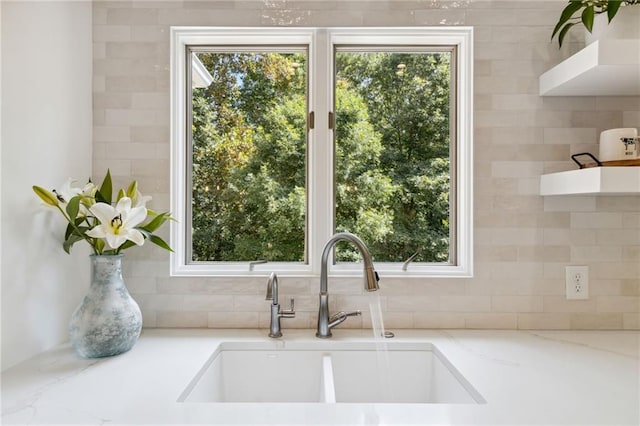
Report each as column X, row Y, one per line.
column 587, row 18
column 612, row 9
column 45, row 195
column 156, row 222
column 159, row 242
column 68, row 231
column 563, row 33
column 106, row 189
column 121, row 194
column 567, row 13
column 73, row 207
column 69, row 242
column 127, row 244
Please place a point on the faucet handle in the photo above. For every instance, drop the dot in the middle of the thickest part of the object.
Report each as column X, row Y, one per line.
column 340, row 317
column 291, row 313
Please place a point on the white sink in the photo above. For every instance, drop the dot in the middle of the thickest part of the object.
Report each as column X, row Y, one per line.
column 329, row 372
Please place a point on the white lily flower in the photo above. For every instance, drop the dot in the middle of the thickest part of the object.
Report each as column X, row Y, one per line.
column 117, row 225
column 67, row 192
column 89, row 190
column 88, row 198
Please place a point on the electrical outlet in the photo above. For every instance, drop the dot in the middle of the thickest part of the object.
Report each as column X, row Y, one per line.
column 577, row 281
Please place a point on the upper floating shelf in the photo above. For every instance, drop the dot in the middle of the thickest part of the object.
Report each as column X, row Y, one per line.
column 591, row 181
column 603, row 68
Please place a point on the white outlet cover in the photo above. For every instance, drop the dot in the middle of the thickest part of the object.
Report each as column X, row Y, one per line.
column 575, row 275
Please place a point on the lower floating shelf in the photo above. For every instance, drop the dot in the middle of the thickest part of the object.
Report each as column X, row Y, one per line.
column 592, row 181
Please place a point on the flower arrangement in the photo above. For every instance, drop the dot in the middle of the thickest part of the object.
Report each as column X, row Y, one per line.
column 108, row 229
column 586, row 16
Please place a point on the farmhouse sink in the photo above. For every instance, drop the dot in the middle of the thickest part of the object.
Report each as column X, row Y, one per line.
column 329, row 372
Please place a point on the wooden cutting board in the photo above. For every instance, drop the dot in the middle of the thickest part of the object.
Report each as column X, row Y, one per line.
column 617, row 163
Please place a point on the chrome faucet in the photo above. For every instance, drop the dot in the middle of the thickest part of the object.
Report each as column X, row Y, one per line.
column 276, row 313
column 325, row 321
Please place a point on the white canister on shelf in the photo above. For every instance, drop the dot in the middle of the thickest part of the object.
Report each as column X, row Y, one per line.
column 613, row 148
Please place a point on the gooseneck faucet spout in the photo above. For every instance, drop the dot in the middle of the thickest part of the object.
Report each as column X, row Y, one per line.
column 325, row 321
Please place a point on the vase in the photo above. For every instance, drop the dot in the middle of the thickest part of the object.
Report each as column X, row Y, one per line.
column 625, row 25
column 108, row 321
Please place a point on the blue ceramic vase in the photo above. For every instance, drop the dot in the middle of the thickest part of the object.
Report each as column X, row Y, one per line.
column 108, row 321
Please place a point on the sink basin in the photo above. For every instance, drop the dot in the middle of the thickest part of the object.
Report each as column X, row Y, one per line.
column 329, row 372
column 253, row 374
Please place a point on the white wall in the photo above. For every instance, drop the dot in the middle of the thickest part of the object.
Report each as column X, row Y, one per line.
column 46, row 137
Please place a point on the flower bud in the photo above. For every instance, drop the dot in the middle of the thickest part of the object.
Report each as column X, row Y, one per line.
column 45, row 196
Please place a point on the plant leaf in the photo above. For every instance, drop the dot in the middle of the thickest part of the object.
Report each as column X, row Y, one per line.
column 45, row 195
column 68, row 231
column 121, row 194
column 70, row 228
column 73, row 207
column 106, row 189
column 127, row 244
column 563, row 32
column 69, row 242
column 567, row 13
column 612, row 9
column 588, row 15
column 156, row 222
column 159, row 242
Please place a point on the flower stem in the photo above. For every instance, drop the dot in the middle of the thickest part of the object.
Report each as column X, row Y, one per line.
column 75, row 227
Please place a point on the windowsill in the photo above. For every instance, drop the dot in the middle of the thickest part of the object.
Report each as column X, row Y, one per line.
column 337, row 271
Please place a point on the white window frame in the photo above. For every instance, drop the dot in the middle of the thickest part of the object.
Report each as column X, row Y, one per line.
column 321, row 42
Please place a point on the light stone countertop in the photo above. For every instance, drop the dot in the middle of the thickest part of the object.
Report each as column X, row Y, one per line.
column 526, row 377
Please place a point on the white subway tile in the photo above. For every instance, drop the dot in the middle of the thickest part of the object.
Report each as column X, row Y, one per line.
column 596, row 220
column 491, row 321
column 596, row 321
column 233, row 320
column 516, row 303
column 181, row 319
column 102, row 33
column 570, row 204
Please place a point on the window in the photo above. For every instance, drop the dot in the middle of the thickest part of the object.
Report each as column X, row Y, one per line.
column 248, row 156
column 283, row 136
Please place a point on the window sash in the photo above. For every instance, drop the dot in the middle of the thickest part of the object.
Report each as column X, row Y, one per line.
column 321, row 44
column 189, row 147
column 453, row 142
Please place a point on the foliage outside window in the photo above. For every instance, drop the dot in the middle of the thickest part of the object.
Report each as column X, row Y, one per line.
column 249, row 158
column 392, row 166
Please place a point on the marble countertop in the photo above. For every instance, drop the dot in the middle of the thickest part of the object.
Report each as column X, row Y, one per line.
column 526, row 377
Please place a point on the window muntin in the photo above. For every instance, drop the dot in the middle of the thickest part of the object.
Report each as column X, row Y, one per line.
column 321, row 44
column 394, row 185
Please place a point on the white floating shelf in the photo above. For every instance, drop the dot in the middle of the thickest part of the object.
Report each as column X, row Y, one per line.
column 603, row 68
column 596, row 180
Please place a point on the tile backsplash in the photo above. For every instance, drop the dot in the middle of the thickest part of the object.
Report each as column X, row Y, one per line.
column 522, row 241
